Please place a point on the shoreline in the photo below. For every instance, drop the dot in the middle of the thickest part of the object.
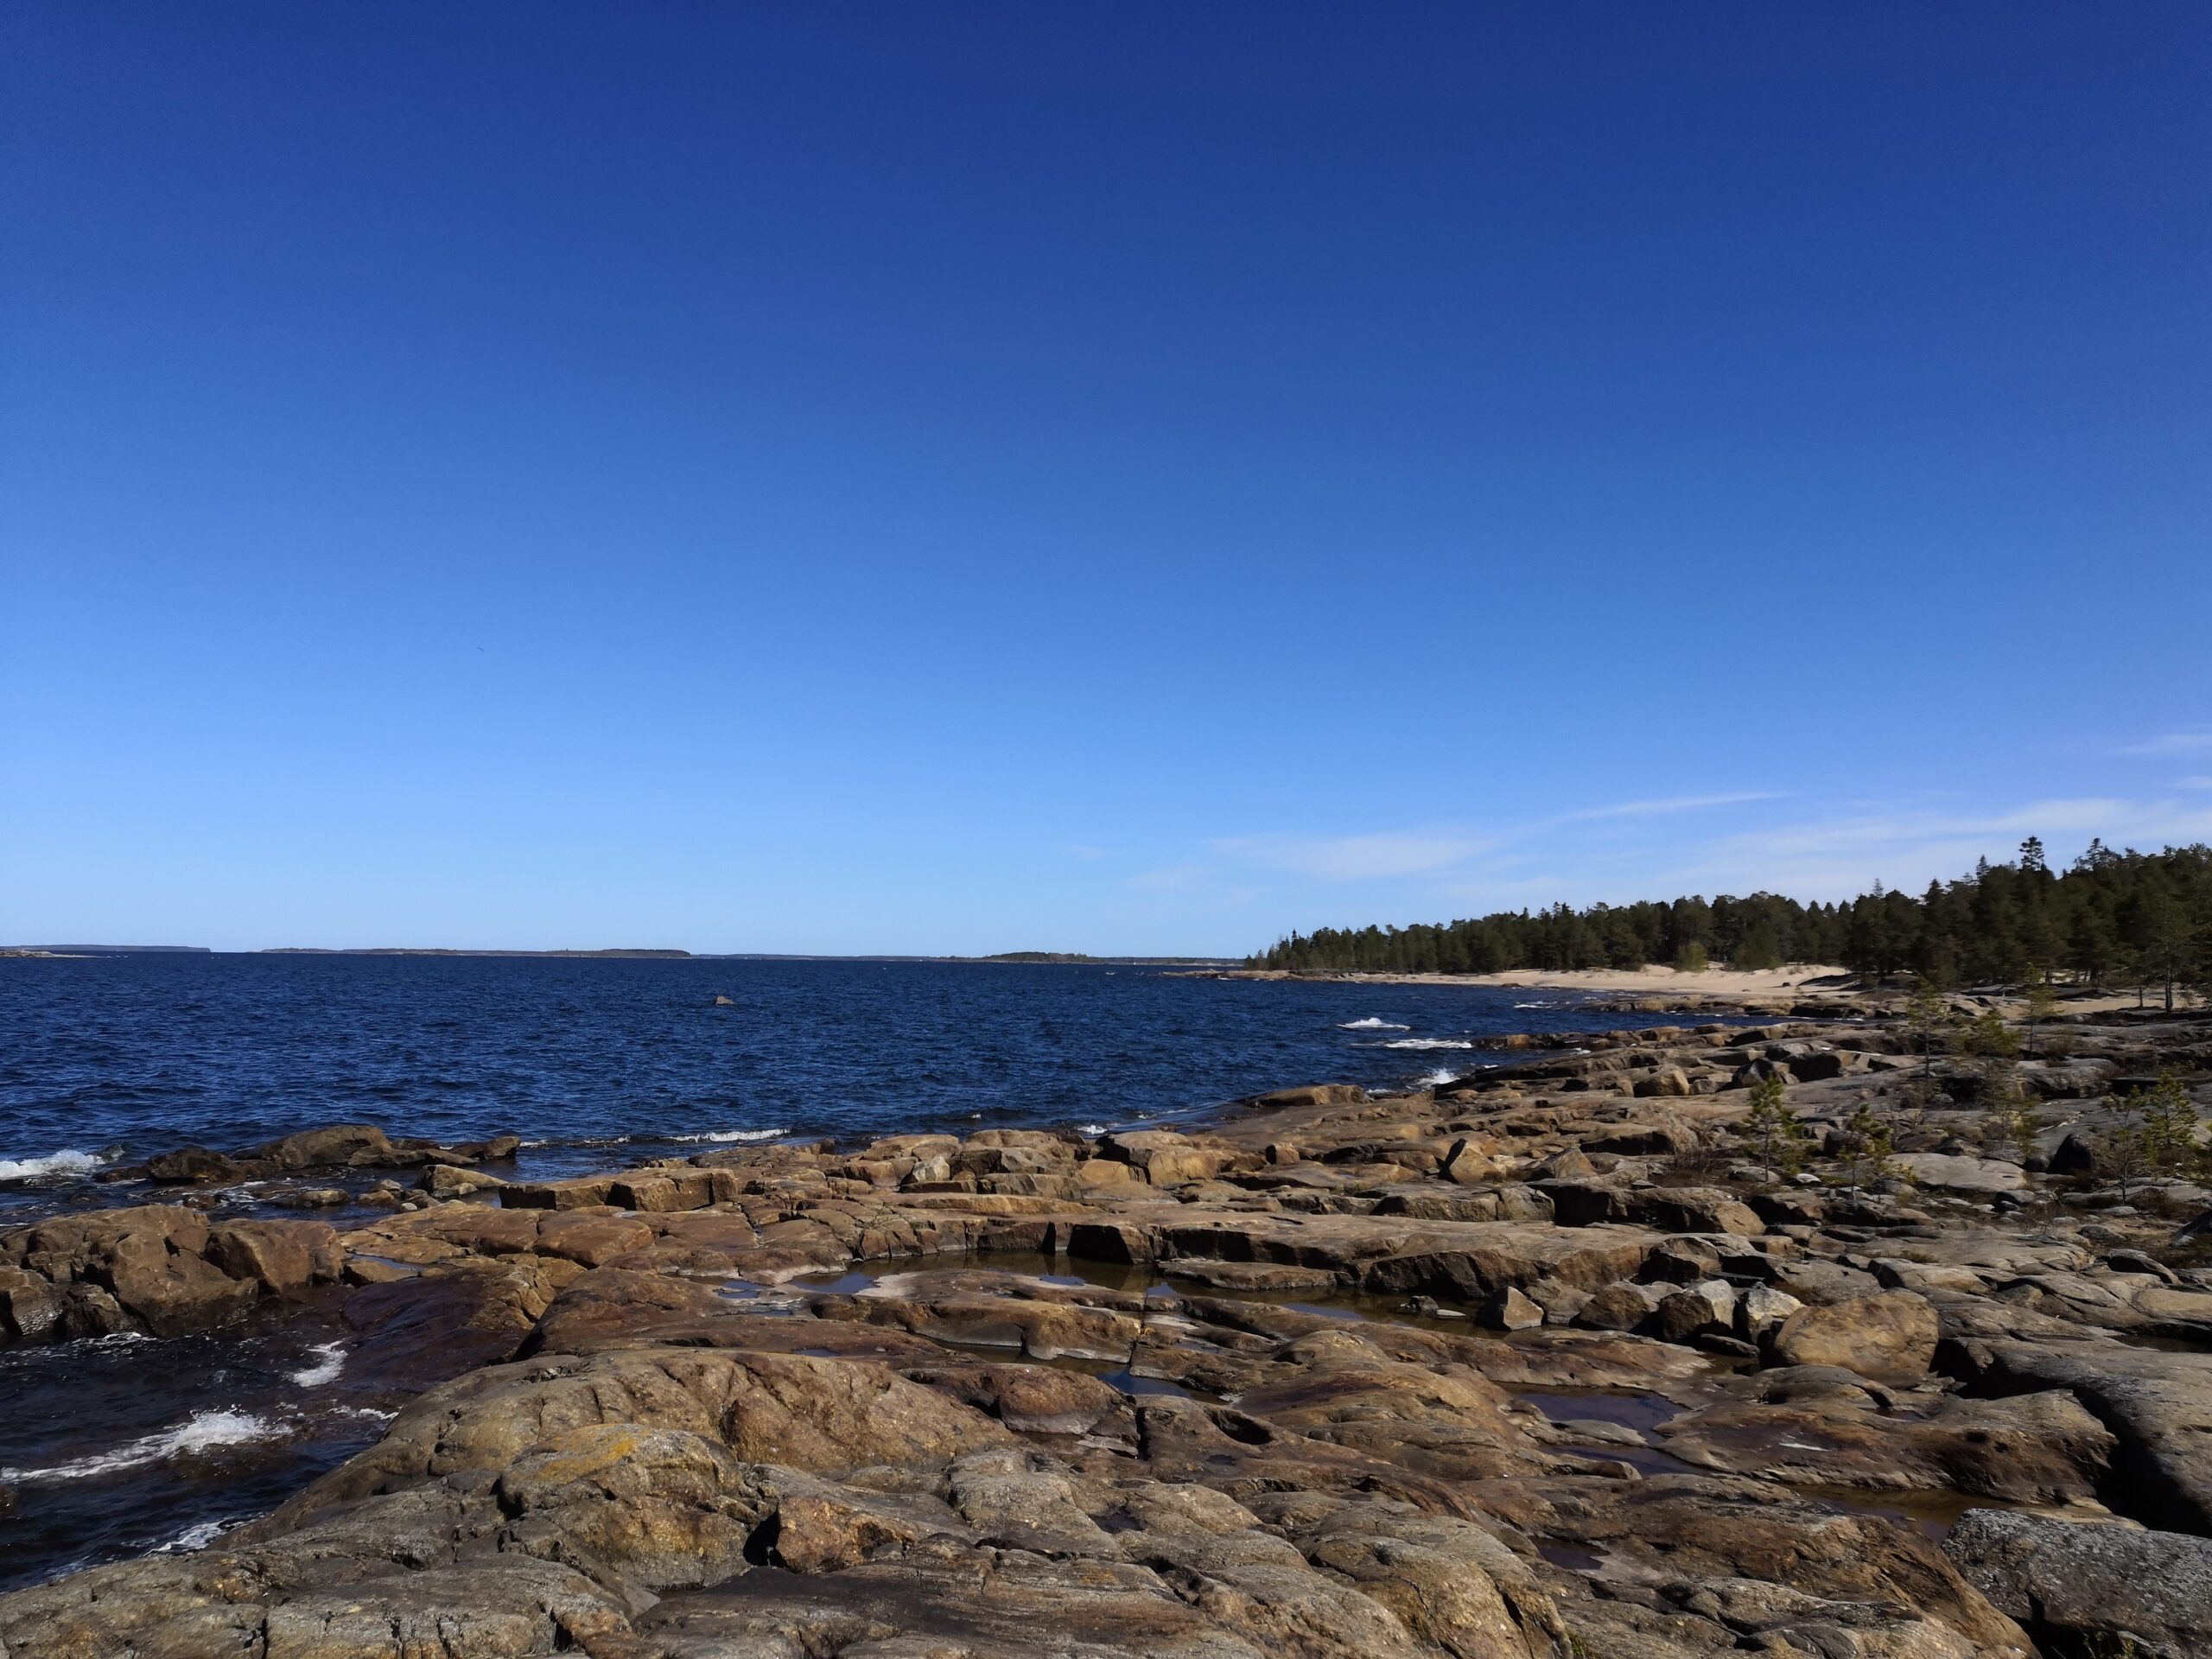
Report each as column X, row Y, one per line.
column 962, row 1386
column 1715, row 983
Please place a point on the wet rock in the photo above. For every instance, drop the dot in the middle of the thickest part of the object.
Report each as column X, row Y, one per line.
column 148, row 1259
column 2033, row 1449
column 29, row 1307
column 1252, row 1275
column 192, row 1164
column 454, row 1181
column 306, row 1197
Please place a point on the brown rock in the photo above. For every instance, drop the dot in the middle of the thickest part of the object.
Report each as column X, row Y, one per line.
column 1889, row 1336
column 280, row 1257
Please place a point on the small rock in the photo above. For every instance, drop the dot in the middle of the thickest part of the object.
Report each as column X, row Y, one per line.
column 1508, row 1310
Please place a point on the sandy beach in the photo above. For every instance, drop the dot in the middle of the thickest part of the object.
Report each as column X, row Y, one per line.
column 1650, row 980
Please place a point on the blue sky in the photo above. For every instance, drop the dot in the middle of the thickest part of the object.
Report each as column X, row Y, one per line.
column 1141, row 477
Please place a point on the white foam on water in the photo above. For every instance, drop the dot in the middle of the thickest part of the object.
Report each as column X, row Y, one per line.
column 1371, row 1023
column 1090, row 1128
column 1429, row 1042
column 733, row 1135
column 368, row 1414
column 197, row 1433
column 1436, row 1079
column 331, row 1360
column 67, row 1161
column 197, row 1536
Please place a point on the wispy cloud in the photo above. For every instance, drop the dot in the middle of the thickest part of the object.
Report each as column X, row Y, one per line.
column 1812, row 854
column 1356, row 858
column 1380, row 855
column 1836, row 857
column 2171, row 743
column 1654, row 809
column 2197, row 783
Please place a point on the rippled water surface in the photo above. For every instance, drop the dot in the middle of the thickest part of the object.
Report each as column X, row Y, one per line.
column 149, row 1053
column 113, row 1446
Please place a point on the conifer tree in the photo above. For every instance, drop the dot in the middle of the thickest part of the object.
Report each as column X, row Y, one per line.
column 1866, row 1146
column 1773, row 1129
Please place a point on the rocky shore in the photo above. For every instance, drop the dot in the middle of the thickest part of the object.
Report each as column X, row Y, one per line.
column 1555, row 1360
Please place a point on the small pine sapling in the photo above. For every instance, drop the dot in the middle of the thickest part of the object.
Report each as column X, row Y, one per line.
column 1772, row 1127
column 2169, row 1120
column 1867, row 1146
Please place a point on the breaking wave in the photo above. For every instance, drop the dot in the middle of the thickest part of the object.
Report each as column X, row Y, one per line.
column 329, row 1361
column 1371, row 1024
column 197, row 1536
column 199, row 1431
column 67, row 1161
column 1429, row 1042
column 733, row 1135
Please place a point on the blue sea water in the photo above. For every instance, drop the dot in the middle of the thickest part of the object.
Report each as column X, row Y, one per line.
column 114, row 1446
column 124, row 1056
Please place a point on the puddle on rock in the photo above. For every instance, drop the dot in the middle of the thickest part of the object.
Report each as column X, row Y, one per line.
column 1930, row 1514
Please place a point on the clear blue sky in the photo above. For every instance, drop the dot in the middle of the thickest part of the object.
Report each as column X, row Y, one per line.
column 968, row 478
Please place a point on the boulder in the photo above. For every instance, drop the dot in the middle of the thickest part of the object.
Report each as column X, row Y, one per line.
column 1508, row 1310
column 1701, row 1310
column 2076, row 1154
column 1619, row 1306
column 195, row 1165
column 1319, row 1093
column 282, row 1257
column 1954, row 1173
column 2158, row 1404
column 29, row 1306
column 148, row 1258
column 2091, row 1586
column 1889, row 1336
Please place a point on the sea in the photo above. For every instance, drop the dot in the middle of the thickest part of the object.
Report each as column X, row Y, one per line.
column 116, row 1446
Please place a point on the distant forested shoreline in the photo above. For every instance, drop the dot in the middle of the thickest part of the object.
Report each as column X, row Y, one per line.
column 2110, row 918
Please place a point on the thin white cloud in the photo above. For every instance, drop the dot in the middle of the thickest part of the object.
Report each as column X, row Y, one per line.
column 1653, row 808
column 2197, row 783
column 1382, row 854
column 2171, row 743
column 1356, row 858
column 1837, row 858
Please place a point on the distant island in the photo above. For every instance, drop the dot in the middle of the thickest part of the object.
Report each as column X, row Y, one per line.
column 106, row 950
column 446, row 951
